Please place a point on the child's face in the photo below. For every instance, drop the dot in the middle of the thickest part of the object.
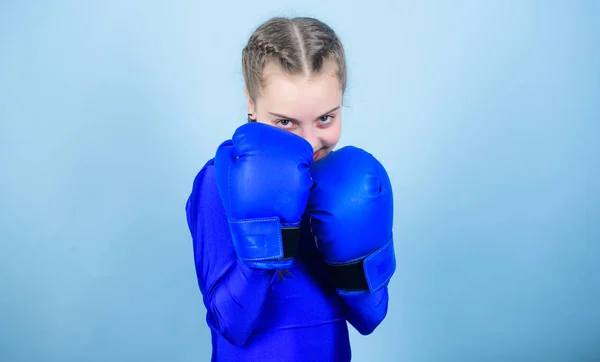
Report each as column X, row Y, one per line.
column 310, row 107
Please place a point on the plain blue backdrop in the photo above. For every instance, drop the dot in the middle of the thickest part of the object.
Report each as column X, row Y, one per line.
column 486, row 114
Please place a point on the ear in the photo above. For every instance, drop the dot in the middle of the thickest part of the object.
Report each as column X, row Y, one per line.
column 251, row 105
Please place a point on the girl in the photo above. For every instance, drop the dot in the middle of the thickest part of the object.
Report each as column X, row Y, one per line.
column 291, row 240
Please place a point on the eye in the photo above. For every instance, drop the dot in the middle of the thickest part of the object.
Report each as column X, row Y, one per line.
column 285, row 123
column 325, row 120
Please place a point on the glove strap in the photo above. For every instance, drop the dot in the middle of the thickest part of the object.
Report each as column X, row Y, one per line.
column 290, row 237
column 367, row 274
column 264, row 240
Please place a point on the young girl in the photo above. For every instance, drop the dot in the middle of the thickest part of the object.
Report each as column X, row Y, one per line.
column 291, row 240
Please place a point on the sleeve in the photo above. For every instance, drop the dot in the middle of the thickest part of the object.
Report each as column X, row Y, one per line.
column 365, row 312
column 233, row 293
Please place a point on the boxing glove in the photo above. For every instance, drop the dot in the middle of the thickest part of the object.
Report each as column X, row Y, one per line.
column 263, row 178
column 351, row 218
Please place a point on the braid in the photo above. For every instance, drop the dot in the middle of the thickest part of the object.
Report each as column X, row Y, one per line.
column 297, row 45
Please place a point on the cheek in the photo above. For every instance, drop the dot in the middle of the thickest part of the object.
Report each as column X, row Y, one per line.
column 332, row 135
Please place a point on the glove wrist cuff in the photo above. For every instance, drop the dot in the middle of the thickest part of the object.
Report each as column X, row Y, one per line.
column 260, row 241
column 367, row 274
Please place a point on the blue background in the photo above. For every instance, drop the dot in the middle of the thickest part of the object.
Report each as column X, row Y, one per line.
column 486, row 114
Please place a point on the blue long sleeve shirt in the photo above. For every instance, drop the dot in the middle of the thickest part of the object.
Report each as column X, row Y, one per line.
column 263, row 315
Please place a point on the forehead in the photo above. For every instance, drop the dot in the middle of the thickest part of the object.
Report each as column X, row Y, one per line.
column 300, row 92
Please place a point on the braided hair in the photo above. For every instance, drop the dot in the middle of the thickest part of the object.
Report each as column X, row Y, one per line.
column 300, row 46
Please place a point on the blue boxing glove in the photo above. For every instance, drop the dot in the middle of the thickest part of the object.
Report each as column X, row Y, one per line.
column 351, row 217
column 263, row 178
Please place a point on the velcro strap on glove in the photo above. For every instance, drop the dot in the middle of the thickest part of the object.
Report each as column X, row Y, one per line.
column 264, row 240
column 368, row 274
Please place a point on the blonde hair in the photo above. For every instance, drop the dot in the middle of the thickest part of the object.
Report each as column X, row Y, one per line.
column 300, row 46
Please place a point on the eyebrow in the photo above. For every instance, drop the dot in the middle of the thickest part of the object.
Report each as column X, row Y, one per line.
column 292, row 119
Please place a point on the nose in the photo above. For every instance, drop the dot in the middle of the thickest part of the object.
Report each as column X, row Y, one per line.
column 312, row 136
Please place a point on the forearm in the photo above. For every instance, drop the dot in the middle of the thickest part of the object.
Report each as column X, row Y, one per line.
column 237, row 300
column 366, row 311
